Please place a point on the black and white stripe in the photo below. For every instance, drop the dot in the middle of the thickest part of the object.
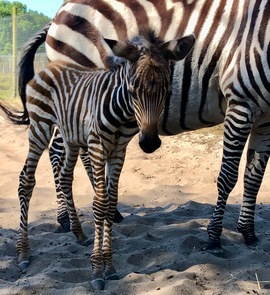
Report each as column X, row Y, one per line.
column 225, row 78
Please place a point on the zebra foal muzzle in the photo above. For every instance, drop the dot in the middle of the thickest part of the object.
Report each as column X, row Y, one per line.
column 149, row 141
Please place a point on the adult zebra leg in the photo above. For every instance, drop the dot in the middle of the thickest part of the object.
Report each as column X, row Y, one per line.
column 118, row 217
column 57, row 154
column 66, row 179
column 26, row 185
column 257, row 158
column 237, row 127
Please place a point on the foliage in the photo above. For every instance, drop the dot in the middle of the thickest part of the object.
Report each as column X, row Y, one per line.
column 28, row 22
column 7, row 6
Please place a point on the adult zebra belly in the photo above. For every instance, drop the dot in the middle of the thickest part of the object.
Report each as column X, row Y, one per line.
column 193, row 104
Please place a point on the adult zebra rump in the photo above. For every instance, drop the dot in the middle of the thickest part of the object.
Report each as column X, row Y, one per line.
column 99, row 110
column 225, row 79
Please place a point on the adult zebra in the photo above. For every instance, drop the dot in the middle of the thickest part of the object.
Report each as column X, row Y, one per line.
column 99, row 110
column 225, row 79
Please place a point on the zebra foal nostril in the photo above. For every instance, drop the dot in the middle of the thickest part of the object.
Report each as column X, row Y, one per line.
column 149, row 142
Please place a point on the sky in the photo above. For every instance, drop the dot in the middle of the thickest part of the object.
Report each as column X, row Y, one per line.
column 47, row 7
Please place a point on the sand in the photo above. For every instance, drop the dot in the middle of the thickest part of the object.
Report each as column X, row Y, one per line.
column 167, row 199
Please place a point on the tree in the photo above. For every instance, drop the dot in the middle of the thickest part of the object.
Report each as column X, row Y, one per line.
column 28, row 22
column 7, row 6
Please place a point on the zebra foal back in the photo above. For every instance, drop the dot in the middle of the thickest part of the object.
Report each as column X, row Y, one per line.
column 68, row 90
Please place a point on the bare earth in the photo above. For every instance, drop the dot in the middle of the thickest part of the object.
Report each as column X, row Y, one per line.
column 167, row 199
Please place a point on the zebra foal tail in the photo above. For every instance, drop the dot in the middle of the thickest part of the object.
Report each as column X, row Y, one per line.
column 26, row 65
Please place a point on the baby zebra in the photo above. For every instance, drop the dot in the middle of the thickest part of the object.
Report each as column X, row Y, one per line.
column 99, row 111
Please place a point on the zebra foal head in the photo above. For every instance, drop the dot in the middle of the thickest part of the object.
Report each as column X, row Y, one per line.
column 149, row 79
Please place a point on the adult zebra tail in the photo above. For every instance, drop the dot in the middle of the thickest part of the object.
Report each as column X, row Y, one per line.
column 26, row 72
column 16, row 116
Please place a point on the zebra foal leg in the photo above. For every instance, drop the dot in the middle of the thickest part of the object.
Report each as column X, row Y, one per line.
column 104, row 207
column 257, row 158
column 57, row 154
column 66, row 179
column 84, row 155
column 101, row 204
column 100, row 208
column 114, row 168
column 237, row 127
column 26, row 185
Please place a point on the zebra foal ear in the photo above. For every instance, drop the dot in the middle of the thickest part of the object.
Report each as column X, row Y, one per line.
column 178, row 49
column 123, row 49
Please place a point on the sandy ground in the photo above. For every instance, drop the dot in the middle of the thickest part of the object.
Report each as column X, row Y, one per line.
column 167, row 199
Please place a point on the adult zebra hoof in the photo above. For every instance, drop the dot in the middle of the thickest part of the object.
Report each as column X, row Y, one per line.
column 118, row 217
column 214, row 247
column 98, row 282
column 23, row 265
column 110, row 274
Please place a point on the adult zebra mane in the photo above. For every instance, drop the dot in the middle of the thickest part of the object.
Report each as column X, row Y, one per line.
column 147, row 37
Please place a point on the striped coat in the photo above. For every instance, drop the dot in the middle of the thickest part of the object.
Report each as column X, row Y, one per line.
column 100, row 111
column 224, row 79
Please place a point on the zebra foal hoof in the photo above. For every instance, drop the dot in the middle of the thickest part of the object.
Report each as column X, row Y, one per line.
column 86, row 243
column 214, row 247
column 118, row 217
column 110, row 274
column 63, row 228
column 23, row 265
column 98, row 282
column 83, row 240
column 250, row 240
column 66, row 226
column 23, row 260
